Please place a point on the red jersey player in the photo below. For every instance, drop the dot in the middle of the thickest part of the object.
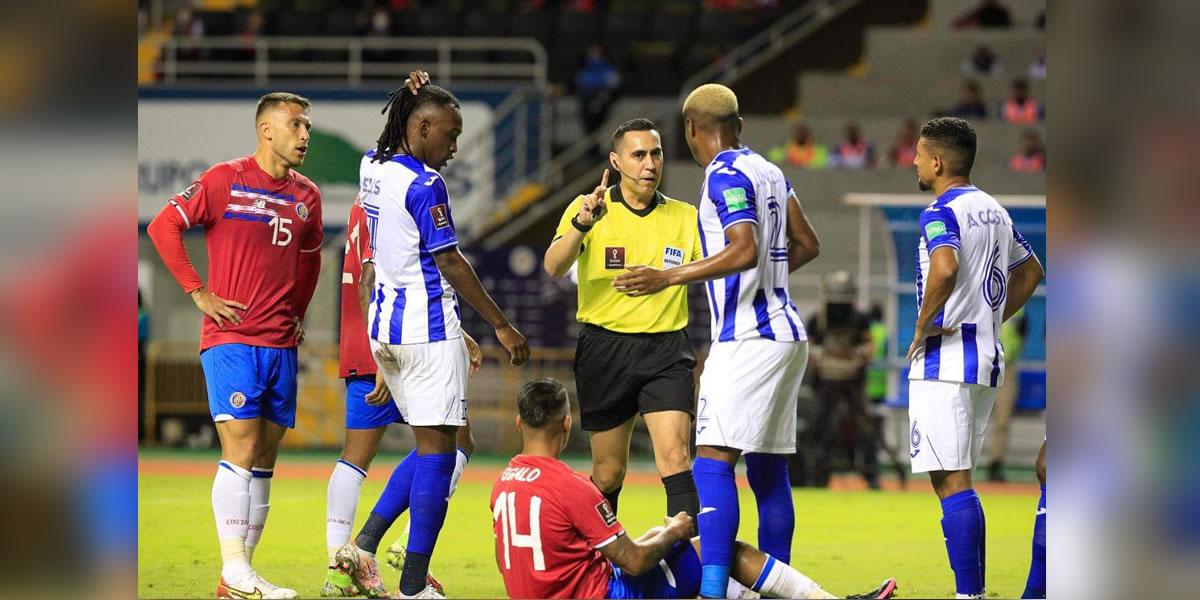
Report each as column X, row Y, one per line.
column 262, row 225
column 369, row 408
column 557, row 537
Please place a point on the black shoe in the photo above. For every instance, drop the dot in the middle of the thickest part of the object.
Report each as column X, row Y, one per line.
column 886, row 590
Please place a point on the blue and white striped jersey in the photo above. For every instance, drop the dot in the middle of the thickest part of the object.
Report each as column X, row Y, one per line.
column 989, row 246
column 408, row 216
column 739, row 187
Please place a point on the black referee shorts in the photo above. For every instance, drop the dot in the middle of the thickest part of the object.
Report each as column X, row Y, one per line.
column 619, row 375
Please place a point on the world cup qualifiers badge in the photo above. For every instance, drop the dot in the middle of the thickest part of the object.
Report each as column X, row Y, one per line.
column 237, row 399
column 302, row 211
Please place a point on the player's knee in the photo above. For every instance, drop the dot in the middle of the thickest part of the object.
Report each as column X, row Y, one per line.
column 674, row 460
column 608, row 475
column 1040, row 468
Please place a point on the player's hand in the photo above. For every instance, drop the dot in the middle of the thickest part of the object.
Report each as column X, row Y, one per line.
column 299, row 335
column 218, row 308
column 474, row 354
column 593, row 207
column 381, row 394
column 641, row 281
column 681, row 525
column 514, row 342
column 416, row 80
column 925, row 332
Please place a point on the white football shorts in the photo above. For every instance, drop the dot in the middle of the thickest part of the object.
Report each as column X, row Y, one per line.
column 748, row 394
column 946, row 423
column 428, row 381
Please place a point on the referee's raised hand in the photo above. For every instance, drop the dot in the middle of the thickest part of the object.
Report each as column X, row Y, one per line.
column 593, row 207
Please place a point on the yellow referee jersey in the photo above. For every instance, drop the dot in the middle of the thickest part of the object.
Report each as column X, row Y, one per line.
column 663, row 235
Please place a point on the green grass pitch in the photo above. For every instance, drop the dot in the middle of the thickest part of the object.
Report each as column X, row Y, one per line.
column 846, row 541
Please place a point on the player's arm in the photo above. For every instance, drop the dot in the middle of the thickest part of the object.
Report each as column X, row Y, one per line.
column 943, row 276
column 462, row 277
column 568, row 243
column 803, row 244
column 182, row 212
column 639, row 556
column 732, row 194
column 1024, row 274
column 1022, row 282
column 740, row 254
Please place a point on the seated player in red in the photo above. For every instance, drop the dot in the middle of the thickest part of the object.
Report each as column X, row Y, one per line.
column 557, row 537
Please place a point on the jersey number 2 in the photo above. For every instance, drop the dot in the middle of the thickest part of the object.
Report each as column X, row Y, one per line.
column 281, row 235
column 505, row 512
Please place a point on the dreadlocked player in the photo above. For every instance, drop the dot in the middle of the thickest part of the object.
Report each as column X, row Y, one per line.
column 413, row 321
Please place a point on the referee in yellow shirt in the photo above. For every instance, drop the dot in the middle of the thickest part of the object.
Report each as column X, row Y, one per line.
column 633, row 355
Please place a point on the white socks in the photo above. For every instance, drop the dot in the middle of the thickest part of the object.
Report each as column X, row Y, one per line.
column 231, row 509
column 260, row 505
column 778, row 580
column 341, row 501
column 460, row 463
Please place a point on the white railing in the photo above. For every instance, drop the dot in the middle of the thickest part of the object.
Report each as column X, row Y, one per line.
column 437, row 57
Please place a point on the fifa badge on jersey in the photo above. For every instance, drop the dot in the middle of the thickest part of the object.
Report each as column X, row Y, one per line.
column 191, row 190
column 672, row 257
column 302, row 211
column 237, row 399
column 606, row 513
column 934, row 229
column 441, row 218
column 735, row 199
column 614, row 257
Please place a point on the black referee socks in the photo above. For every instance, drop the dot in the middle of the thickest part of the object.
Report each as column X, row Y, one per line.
column 681, row 494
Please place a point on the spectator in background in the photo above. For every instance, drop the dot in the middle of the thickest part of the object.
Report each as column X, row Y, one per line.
column 188, row 25
column 982, row 62
column 905, row 149
column 1037, row 68
column 1031, row 157
column 855, row 151
column 989, row 14
column 596, row 84
column 970, row 103
column 381, row 22
column 801, row 150
column 1020, row 108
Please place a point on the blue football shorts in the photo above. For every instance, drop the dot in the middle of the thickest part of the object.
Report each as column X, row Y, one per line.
column 245, row 382
column 677, row 575
column 359, row 414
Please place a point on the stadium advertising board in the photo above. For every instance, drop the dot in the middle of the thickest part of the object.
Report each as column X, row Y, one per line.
column 179, row 138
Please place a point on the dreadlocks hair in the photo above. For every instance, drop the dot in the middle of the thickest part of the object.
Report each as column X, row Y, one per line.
column 401, row 104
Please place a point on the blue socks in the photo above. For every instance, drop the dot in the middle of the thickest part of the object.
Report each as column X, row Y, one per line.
column 429, row 500
column 429, row 503
column 394, row 500
column 1035, row 586
column 963, row 526
column 718, row 519
column 391, row 504
column 768, row 475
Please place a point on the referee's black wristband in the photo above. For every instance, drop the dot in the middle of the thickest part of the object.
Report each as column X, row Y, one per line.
column 580, row 226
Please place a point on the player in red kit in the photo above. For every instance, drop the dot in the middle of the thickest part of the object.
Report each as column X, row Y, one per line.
column 557, row 537
column 262, row 226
